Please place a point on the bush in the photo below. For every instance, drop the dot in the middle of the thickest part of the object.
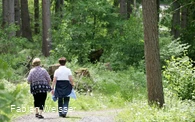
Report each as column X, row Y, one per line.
column 170, row 47
column 131, row 84
column 10, row 95
column 179, row 77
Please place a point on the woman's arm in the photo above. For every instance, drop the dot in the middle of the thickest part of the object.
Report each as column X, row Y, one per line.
column 71, row 80
column 29, row 78
column 47, row 76
column 53, row 83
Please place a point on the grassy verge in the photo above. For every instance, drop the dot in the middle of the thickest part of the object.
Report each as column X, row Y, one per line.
column 174, row 110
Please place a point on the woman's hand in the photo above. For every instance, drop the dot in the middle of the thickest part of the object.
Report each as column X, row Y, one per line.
column 52, row 92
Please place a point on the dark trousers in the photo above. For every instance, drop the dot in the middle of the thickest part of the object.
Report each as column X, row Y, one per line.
column 39, row 100
column 63, row 105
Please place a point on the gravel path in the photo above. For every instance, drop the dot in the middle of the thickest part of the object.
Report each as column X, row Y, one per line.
column 74, row 116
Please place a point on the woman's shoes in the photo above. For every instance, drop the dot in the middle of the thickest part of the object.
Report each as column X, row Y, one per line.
column 63, row 115
column 39, row 116
column 36, row 115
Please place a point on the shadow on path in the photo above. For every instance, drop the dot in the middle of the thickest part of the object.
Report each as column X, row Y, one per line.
column 75, row 116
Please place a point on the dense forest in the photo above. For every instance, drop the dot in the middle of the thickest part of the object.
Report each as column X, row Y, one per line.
column 134, row 52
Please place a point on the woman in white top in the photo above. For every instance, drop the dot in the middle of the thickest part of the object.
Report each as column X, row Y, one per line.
column 63, row 83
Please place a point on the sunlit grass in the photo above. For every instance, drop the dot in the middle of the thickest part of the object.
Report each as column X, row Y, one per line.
column 173, row 111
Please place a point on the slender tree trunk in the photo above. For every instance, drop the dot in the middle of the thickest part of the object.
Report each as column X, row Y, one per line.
column 129, row 7
column 17, row 17
column 58, row 13
column 26, row 29
column 8, row 14
column 176, row 20
column 152, row 55
column 123, row 9
column 184, row 17
column 46, row 42
column 58, row 7
column 36, row 16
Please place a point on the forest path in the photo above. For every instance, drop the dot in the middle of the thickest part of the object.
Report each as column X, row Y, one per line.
column 74, row 116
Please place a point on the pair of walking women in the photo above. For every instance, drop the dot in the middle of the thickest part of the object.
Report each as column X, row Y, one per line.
column 61, row 87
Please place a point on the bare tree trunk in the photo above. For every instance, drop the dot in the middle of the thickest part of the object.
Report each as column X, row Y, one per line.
column 129, row 7
column 58, row 13
column 17, row 17
column 176, row 20
column 158, row 8
column 46, row 42
column 152, row 55
column 8, row 14
column 123, row 9
column 58, row 7
column 36, row 16
column 184, row 17
column 26, row 29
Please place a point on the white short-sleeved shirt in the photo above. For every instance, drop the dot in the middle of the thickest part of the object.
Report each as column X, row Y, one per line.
column 62, row 73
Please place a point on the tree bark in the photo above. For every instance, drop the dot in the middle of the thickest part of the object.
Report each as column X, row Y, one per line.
column 129, row 8
column 36, row 16
column 158, row 9
column 46, row 42
column 176, row 20
column 8, row 14
column 17, row 17
column 152, row 55
column 123, row 9
column 26, row 29
column 58, row 7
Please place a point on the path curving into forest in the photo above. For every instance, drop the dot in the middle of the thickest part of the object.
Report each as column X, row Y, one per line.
column 74, row 116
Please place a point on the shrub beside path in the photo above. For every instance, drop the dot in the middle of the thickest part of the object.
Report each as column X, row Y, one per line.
column 73, row 116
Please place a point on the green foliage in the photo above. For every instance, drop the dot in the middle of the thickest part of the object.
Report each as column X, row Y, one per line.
column 187, row 36
column 84, row 28
column 128, row 45
column 179, row 77
column 5, row 71
column 7, row 41
column 90, row 25
column 173, row 111
column 130, row 84
column 10, row 95
column 169, row 48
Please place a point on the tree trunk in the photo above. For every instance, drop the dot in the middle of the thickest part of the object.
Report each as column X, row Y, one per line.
column 58, row 7
column 58, row 13
column 46, row 42
column 184, row 17
column 176, row 20
column 8, row 14
column 158, row 9
column 123, row 9
column 152, row 55
column 36, row 16
column 26, row 29
column 17, row 17
column 129, row 8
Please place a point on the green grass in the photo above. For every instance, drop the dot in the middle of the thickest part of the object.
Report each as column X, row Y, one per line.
column 174, row 110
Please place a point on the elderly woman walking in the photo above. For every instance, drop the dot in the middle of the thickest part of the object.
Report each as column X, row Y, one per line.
column 39, row 81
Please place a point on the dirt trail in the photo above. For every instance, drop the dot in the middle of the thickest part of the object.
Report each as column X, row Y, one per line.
column 74, row 116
